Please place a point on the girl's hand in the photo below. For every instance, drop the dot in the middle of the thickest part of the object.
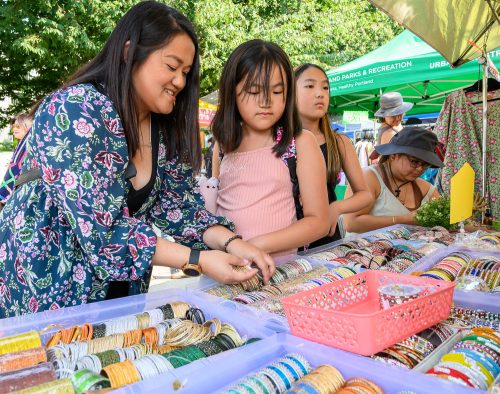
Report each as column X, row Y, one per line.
column 334, row 218
column 219, row 266
column 250, row 252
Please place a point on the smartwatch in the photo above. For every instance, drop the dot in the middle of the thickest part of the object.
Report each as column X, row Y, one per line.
column 192, row 267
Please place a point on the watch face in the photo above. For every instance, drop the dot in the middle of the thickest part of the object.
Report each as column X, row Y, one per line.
column 191, row 270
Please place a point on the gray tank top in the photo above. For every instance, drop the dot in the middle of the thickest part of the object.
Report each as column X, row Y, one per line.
column 381, row 131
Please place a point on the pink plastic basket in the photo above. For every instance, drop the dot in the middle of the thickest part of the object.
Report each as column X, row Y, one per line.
column 346, row 314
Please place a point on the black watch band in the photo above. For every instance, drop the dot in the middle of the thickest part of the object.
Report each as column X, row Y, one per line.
column 194, row 256
column 192, row 267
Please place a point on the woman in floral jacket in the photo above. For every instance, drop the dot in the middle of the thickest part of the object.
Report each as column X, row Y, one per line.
column 116, row 149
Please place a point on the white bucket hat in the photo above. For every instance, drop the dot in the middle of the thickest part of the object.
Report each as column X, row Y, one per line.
column 392, row 104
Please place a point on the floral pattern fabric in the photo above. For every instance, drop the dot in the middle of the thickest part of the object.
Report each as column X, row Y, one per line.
column 64, row 237
column 459, row 128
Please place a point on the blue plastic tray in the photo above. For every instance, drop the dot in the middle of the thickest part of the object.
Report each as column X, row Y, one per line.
column 222, row 371
column 470, row 299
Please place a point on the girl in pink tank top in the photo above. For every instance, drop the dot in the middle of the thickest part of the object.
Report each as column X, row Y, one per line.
column 257, row 126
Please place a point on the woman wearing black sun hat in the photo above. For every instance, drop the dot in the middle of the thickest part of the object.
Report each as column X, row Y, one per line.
column 395, row 183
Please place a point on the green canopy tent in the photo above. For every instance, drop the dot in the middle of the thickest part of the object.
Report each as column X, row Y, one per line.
column 461, row 30
column 405, row 64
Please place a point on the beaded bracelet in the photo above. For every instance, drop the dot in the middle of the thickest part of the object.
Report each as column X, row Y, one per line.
column 231, row 239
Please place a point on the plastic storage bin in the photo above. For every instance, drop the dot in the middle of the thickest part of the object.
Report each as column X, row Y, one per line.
column 470, row 299
column 246, row 323
column 243, row 318
column 223, row 370
column 346, row 314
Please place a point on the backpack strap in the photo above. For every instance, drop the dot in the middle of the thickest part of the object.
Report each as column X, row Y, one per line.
column 291, row 163
column 290, row 159
column 28, row 176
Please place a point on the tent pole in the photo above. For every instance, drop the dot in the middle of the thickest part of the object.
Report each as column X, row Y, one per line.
column 485, row 122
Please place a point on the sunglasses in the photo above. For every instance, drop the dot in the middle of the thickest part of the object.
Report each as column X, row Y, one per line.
column 415, row 163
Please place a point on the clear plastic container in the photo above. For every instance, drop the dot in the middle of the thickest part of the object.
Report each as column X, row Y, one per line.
column 220, row 372
column 243, row 318
column 489, row 302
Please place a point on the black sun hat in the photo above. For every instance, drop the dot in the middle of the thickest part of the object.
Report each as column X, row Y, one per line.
column 414, row 141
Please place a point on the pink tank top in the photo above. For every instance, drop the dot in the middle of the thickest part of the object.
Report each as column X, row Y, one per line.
column 255, row 192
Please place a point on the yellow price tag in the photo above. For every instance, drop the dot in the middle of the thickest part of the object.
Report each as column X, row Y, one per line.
column 462, row 194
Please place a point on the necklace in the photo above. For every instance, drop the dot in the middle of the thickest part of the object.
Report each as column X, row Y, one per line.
column 397, row 191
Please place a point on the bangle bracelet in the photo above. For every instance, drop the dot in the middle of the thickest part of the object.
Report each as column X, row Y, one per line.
column 226, row 244
column 394, row 220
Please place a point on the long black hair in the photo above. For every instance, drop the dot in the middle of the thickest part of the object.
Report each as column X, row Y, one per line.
column 334, row 158
column 148, row 26
column 254, row 61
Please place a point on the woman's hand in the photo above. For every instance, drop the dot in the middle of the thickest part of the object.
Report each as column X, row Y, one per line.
column 250, row 252
column 219, row 266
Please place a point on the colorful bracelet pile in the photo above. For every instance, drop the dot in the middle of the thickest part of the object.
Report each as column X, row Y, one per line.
column 474, row 361
column 380, row 254
column 469, row 318
column 492, row 238
column 114, row 353
column 435, row 234
column 479, row 274
column 274, row 305
column 395, row 233
column 292, row 373
column 413, row 350
column 276, row 377
column 289, row 270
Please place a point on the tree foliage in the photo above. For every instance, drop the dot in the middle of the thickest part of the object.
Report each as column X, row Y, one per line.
column 43, row 42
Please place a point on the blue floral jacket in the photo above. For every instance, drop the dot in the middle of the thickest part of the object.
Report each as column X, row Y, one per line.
column 64, row 237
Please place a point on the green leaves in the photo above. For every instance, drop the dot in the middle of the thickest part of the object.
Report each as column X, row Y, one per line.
column 43, row 42
column 435, row 212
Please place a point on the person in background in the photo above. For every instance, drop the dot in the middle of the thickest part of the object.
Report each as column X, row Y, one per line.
column 313, row 99
column 207, row 157
column 112, row 155
column 272, row 174
column 394, row 181
column 20, row 124
column 391, row 112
